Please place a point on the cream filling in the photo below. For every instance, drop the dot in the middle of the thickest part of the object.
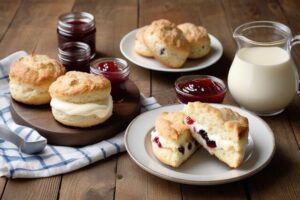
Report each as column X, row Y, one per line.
column 100, row 109
column 220, row 142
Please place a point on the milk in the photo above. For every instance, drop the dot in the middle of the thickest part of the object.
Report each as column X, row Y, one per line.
column 263, row 79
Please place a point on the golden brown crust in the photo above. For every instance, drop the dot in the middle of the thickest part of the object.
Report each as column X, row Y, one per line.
column 171, row 124
column 75, row 83
column 36, row 70
column 168, row 33
column 193, row 33
column 236, row 124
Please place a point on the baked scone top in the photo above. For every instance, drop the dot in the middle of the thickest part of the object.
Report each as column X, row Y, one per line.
column 171, row 125
column 194, row 33
column 36, row 70
column 168, row 33
column 236, row 126
column 75, row 83
column 140, row 33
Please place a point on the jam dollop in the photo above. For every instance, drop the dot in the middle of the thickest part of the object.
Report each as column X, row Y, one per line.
column 108, row 67
column 202, row 89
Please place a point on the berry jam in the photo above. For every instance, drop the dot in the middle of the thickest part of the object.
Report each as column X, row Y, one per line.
column 117, row 71
column 201, row 89
column 209, row 143
column 77, row 27
column 75, row 56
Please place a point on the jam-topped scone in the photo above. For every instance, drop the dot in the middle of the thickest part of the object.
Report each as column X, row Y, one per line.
column 198, row 38
column 171, row 139
column 139, row 45
column 222, row 132
column 167, row 43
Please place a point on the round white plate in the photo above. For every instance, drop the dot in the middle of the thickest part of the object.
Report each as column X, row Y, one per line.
column 201, row 168
column 127, row 49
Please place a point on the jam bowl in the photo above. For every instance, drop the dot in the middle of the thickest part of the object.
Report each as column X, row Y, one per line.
column 117, row 71
column 203, row 88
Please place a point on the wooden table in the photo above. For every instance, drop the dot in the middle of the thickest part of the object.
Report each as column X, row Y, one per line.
column 31, row 25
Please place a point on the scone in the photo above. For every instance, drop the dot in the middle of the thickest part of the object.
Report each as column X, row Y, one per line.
column 171, row 139
column 31, row 76
column 81, row 99
column 167, row 43
column 139, row 45
column 222, row 132
column 198, row 39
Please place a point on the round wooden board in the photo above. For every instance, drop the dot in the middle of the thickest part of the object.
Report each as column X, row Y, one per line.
column 41, row 119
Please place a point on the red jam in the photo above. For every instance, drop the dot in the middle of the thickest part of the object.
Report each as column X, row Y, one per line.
column 117, row 71
column 78, row 27
column 200, row 89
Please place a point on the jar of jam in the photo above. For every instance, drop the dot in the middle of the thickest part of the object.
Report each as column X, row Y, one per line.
column 75, row 56
column 202, row 88
column 79, row 27
column 117, row 71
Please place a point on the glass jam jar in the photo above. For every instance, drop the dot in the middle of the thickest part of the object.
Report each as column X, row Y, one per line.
column 117, row 71
column 77, row 26
column 75, row 56
column 202, row 88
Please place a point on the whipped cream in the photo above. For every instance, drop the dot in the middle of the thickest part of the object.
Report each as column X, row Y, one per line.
column 221, row 143
column 100, row 108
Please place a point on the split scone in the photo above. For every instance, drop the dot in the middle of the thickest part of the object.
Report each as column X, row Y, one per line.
column 31, row 76
column 139, row 45
column 167, row 43
column 222, row 132
column 198, row 39
column 171, row 139
column 81, row 99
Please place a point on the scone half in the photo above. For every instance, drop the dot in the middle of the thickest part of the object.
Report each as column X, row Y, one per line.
column 80, row 99
column 171, row 139
column 222, row 132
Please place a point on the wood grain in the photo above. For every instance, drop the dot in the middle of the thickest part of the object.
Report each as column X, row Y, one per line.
column 45, row 188
column 93, row 182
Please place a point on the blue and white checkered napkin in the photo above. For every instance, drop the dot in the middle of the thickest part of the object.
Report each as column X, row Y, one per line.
column 54, row 159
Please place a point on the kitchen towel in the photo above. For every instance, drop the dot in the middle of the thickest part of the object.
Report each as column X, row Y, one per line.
column 54, row 159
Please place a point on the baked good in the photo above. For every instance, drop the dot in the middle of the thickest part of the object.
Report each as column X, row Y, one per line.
column 81, row 99
column 222, row 132
column 167, row 43
column 198, row 39
column 139, row 45
column 171, row 139
column 31, row 76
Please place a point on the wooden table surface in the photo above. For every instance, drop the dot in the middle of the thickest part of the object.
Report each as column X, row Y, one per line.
column 31, row 25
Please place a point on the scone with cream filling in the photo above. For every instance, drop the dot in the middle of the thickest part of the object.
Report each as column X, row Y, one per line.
column 139, row 45
column 222, row 132
column 171, row 139
column 167, row 43
column 31, row 76
column 198, row 39
column 81, row 99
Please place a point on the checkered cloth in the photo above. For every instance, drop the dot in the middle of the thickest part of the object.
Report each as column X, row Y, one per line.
column 54, row 159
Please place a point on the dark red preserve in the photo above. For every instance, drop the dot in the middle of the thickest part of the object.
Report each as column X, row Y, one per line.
column 75, row 56
column 117, row 71
column 200, row 88
column 78, row 27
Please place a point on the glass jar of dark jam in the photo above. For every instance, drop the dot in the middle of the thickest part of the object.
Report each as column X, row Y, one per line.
column 117, row 71
column 79, row 27
column 75, row 56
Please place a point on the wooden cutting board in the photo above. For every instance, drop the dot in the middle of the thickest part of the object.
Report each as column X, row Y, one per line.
column 41, row 119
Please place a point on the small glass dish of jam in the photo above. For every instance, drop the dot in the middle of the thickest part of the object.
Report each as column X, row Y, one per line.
column 202, row 88
column 117, row 71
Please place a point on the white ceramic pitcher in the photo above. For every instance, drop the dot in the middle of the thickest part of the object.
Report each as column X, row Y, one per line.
column 263, row 77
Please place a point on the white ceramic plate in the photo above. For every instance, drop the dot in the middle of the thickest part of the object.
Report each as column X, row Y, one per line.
column 201, row 168
column 127, row 49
